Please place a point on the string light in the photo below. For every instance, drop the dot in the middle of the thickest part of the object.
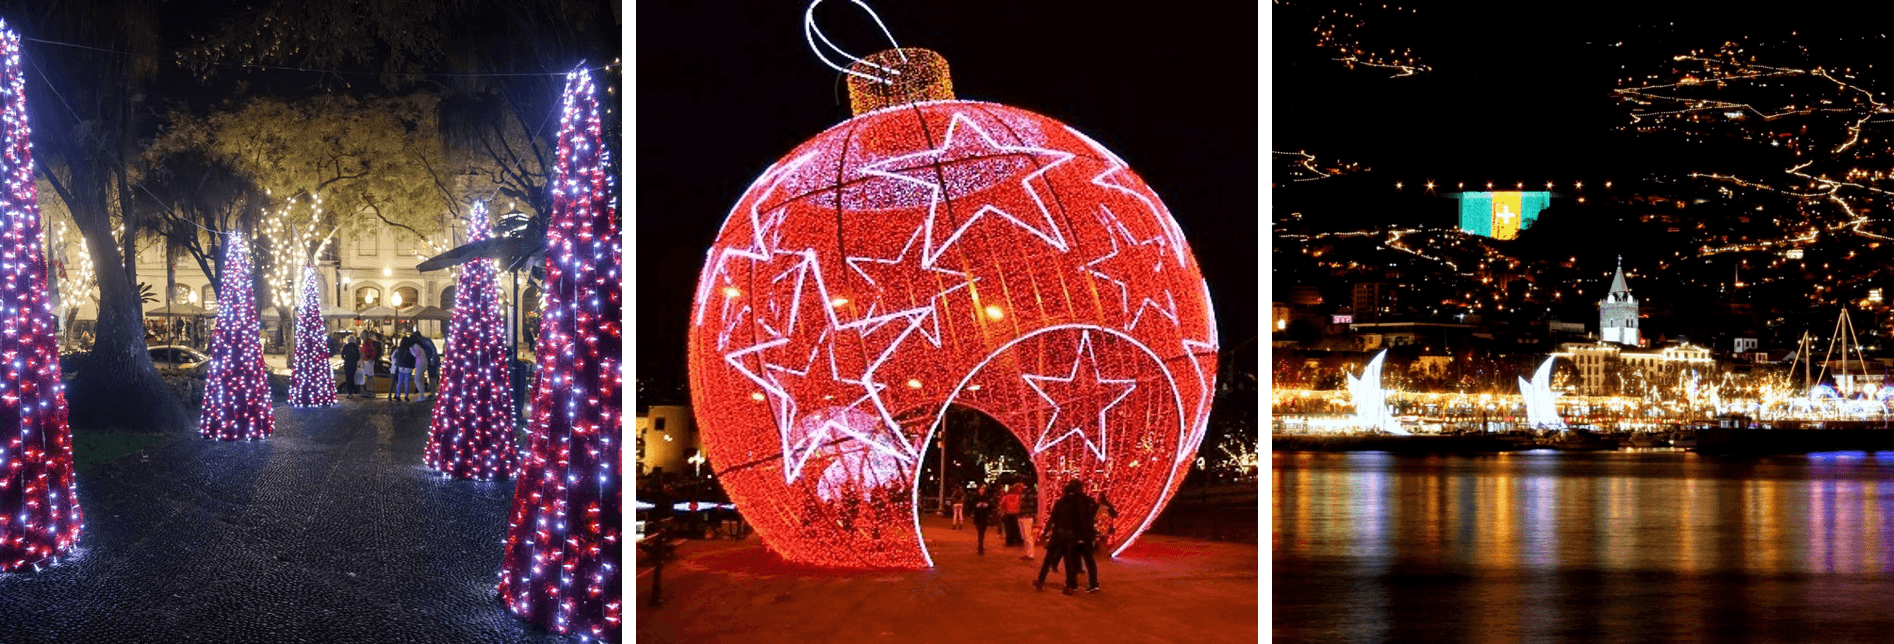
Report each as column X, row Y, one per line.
column 77, row 281
column 312, row 380
column 40, row 518
column 1340, row 31
column 237, row 391
column 1099, row 353
column 1693, row 101
column 471, row 435
column 1301, row 166
column 562, row 544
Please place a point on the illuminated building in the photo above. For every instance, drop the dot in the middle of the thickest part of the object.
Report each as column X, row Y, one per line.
column 1602, row 365
column 1500, row 215
column 1618, row 312
column 665, row 434
column 1373, row 300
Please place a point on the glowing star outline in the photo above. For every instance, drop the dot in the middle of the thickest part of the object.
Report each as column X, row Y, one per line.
column 760, row 246
column 807, row 274
column 1114, row 226
column 870, row 321
column 1158, row 211
column 1177, row 402
column 1084, row 353
column 932, row 251
column 1194, row 353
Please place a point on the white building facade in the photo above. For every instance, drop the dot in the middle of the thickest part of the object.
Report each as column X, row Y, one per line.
column 1618, row 312
column 356, row 271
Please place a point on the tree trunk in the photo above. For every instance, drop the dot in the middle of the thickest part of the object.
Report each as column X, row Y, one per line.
column 170, row 277
column 286, row 331
column 117, row 388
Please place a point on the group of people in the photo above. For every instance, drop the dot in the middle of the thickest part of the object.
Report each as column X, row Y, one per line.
column 417, row 364
column 1070, row 534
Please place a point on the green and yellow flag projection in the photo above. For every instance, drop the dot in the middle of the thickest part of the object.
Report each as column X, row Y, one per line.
column 1501, row 215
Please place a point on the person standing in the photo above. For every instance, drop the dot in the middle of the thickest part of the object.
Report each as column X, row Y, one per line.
column 960, row 504
column 419, row 370
column 403, row 359
column 351, row 361
column 982, row 512
column 1028, row 513
column 433, row 363
column 1009, row 513
column 371, row 356
column 1073, row 532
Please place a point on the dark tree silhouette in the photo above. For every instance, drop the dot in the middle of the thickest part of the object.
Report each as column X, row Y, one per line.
column 85, row 112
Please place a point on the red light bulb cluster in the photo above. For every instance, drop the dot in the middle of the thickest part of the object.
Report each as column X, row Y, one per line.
column 39, row 500
column 561, row 568
column 472, row 432
column 237, row 391
column 934, row 254
column 312, row 380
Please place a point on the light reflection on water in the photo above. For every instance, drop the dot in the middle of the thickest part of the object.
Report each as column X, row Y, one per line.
column 1612, row 546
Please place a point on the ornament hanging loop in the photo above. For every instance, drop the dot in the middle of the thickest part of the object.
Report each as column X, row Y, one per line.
column 875, row 72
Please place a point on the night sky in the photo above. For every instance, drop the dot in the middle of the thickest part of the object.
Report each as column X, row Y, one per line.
column 724, row 90
column 1515, row 94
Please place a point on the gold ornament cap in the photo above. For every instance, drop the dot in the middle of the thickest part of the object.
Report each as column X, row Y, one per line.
column 912, row 75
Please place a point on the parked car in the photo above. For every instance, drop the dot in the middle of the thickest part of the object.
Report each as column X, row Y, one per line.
column 176, row 359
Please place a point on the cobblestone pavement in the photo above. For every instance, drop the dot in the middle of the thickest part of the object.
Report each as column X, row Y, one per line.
column 331, row 530
column 1162, row 589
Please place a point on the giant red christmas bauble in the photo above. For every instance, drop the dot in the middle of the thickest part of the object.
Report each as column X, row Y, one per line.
column 935, row 254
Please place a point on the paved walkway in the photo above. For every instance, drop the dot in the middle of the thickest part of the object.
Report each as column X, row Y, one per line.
column 1163, row 589
column 330, row 531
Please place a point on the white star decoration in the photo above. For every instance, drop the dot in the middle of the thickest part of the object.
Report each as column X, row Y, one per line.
column 762, row 223
column 1097, row 386
column 927, row 168
column 1131, row 259
column 870, row 320
column 1197, row 353
column 806, row 345
column 1108, row 179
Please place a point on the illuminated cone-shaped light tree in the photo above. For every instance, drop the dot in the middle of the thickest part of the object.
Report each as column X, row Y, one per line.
column 39, row 502
column 472, row 434
column 237, row 395
column 561, row 568
column 312, row 380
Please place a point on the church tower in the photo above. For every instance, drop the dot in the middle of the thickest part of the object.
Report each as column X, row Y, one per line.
column 1618, row 313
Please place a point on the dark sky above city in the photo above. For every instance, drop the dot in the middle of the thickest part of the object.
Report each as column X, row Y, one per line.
column 723, row 91
column 1515, row 93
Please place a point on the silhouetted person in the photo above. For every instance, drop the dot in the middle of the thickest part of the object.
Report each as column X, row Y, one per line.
column 351, row 360
column 433, row 363
column 982, row 505
column 1009, row 512
column 1074, row 533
